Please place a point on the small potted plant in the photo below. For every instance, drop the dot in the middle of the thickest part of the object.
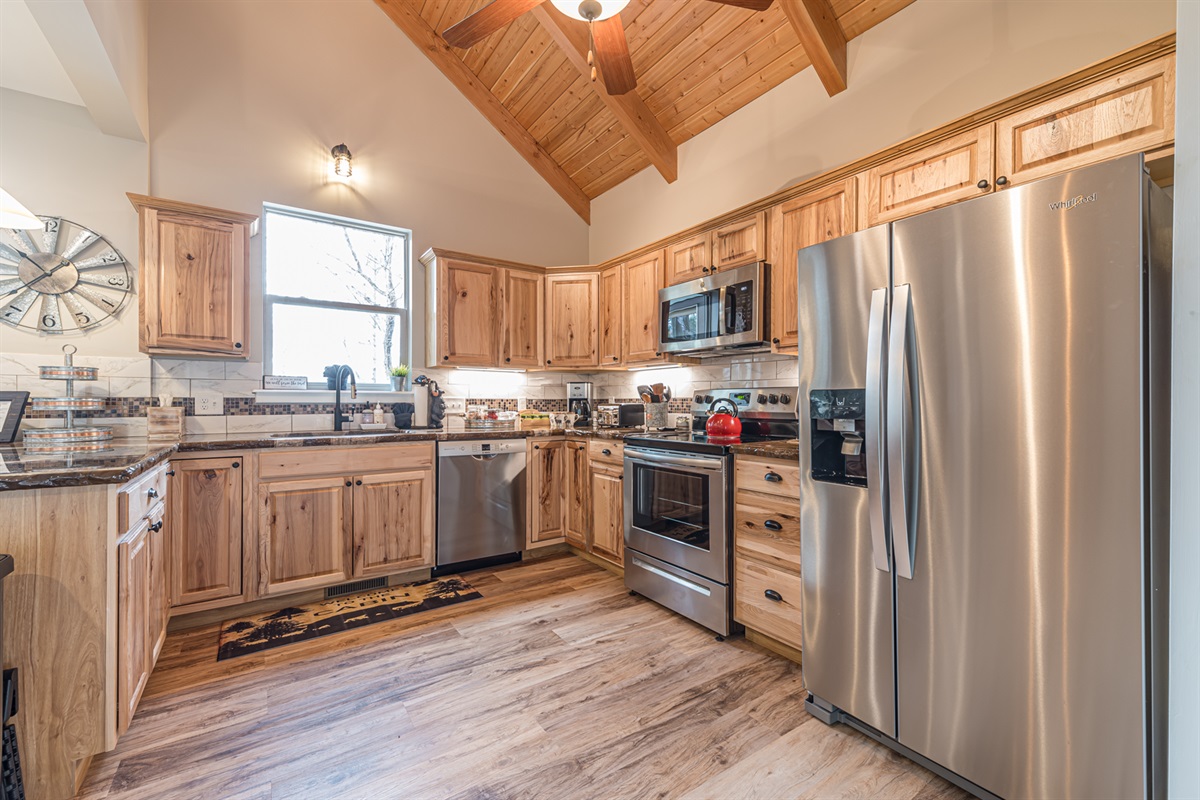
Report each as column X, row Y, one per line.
column 399, row 377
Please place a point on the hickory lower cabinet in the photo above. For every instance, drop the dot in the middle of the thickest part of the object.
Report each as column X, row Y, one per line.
column 205, row 532
column 578, row 506
column 606, row 492
column 766, row 551
column 546, row 515
column 326, row 515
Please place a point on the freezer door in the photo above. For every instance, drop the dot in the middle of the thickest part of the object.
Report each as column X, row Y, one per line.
column 847, row 583
column 1019, row 637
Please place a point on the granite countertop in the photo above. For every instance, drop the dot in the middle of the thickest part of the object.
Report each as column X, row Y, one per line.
column 128, row 458
column 788, row 449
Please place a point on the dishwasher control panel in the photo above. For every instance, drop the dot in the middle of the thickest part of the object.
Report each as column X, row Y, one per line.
column 489, row 447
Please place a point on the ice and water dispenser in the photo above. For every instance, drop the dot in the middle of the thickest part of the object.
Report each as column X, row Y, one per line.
column 839, row 451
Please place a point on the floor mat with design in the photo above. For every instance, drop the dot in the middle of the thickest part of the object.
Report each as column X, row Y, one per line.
column 260, row 632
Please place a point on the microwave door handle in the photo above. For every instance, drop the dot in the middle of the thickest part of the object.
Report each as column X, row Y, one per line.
column 876, row 461
column 903, row 430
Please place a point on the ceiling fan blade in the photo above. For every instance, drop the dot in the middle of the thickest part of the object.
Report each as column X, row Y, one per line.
column 753, row 5
column 486, row 21
column 612, row 51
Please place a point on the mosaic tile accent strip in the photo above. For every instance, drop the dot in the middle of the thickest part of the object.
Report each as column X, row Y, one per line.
column 508, row 404
column 113, row 407
column 548, row 405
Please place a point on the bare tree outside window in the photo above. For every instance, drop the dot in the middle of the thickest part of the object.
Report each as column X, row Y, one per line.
column 336, row 293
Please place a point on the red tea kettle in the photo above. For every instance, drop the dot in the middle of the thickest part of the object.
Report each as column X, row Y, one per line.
column 723, row 426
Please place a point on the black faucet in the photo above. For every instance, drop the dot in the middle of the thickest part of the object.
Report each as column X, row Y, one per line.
column 338, row 416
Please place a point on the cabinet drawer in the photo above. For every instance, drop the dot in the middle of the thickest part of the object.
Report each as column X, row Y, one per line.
column 767, row 475
column 754, row 586
column 767, row 529
column 137, row 497
column 287, row 462
column 609, row 451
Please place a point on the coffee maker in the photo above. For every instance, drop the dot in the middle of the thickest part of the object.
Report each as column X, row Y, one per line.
column 579, row 402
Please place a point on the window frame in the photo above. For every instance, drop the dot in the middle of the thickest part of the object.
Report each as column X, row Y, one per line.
column 404, row 326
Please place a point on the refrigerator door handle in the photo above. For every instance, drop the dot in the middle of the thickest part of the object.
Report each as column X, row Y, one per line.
column 876, row 462
column 903, row 430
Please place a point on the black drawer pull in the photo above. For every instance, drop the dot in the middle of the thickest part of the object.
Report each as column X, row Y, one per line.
column 171, row 472
column 771, row 524
column 773, row 477
column 771, row 594
column 156, row 527
column 606, row 451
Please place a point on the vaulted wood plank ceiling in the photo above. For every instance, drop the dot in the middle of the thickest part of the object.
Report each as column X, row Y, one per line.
column 696, row 62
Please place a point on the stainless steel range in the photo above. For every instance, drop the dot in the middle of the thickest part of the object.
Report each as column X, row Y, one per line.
column 679, row 503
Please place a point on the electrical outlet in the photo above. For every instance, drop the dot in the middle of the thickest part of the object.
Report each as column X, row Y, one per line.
column 209, row 404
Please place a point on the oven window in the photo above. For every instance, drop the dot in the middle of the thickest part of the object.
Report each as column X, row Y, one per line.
column 688, row 319
column 671, row 503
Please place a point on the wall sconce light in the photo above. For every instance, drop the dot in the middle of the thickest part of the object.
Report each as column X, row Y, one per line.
column 342, row 167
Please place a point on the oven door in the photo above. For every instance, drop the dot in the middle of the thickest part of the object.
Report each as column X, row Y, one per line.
column 676, row 510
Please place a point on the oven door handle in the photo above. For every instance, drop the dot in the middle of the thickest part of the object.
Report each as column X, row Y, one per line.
column 695, row 462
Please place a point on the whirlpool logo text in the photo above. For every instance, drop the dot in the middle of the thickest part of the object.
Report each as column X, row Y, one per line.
column 1077, row 200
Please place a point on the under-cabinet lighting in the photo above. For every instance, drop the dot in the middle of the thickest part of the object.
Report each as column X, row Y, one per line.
column 652, row 370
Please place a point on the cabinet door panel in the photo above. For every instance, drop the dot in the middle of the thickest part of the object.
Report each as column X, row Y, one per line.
column 740, row 242
column 393, row 522
column 643, row 279
column 611, row 313
column 1128, row 113
column 547, row 482
column 160, row 600
column 934, row 176
column 572, row 328
column 133, row 622
column 608, row 522
column 524, row 293
column 688, row 259
column 810, row 219
column 467, row 316
column 579, row 491
column 206, row 530
column 198, row 300
column 303, row 534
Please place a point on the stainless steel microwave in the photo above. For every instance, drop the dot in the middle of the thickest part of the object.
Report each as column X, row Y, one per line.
column 723, row 311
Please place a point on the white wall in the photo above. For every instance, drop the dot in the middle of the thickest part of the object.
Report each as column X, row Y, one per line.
column 927, row 65
column 246, row 98
column 1184, row 743
column 124, row 29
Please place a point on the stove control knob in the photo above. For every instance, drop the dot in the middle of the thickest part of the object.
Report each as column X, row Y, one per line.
column 774, row 398
column 708, row 398
column 785, row 398
column 762, row 398
column 698, row 398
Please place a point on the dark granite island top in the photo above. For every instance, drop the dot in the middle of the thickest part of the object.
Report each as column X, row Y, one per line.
column 787, row 450
column 128, row 458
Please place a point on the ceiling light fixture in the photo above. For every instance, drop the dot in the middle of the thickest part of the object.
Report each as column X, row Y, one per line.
column 590, row 11
column 342, row 166
column 15, row 215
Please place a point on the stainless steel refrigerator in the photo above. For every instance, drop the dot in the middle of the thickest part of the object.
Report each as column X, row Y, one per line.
column 983, row 509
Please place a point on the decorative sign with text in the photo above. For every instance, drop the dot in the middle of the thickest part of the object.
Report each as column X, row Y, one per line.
column 285, row 382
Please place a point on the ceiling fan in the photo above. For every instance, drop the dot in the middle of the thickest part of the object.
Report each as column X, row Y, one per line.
column 609, row 46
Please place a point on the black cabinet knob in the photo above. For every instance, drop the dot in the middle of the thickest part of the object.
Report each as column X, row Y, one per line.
column 238, row 345
column 547, row 361
column 983, row 184
column 657, row 353
column 236, row 465
column 1002, row 181
column 358, row 483
column 615, row 358
column 537, row 447
column 348, row 483
column 773, row 477
column 157, row 526
column 606, row 451
column 772, row 525
column 445, row 358
column 775, row 340
column 507, row 359
column 771, row 594
column 171, row 472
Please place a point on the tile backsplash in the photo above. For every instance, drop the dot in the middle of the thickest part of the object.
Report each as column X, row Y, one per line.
column 130, row 385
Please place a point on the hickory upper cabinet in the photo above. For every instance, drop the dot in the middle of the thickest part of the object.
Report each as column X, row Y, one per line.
column 482, row 314
column 643, row 278
column 734, row 244
column 945, row 172
column 1131, row 112
column 611, row 302
column 194, row 279
column 572, row 320
column 812, row 218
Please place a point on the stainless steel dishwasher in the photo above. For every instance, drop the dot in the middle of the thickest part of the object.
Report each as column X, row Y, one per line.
column 481, row 500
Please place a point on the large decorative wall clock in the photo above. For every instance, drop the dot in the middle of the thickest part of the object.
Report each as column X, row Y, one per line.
column 62, row 278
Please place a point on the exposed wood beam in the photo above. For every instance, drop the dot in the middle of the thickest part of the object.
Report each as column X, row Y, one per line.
column 823, row 39
column 629, row 108
column 446, row 60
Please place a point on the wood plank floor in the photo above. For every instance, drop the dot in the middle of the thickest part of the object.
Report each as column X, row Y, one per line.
column 557, row 684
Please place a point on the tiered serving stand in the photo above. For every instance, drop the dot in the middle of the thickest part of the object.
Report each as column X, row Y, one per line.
column 71, row 437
